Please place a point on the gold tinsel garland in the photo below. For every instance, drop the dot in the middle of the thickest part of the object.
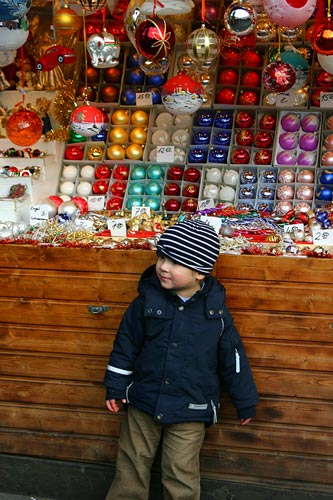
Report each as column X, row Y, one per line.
column 63, row 105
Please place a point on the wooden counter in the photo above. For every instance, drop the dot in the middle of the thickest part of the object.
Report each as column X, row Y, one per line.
column 53, row 353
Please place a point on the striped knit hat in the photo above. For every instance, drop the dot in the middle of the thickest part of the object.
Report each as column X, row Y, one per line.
column 191, row 243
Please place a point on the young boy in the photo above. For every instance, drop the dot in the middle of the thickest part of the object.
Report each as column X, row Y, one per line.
column 176, row 346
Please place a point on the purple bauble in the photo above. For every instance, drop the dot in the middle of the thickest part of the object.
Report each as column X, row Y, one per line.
column 310, row 123
column 307, row 158
column 286, row 158
column 288, row 140
column 290, row 122
column 308, row 141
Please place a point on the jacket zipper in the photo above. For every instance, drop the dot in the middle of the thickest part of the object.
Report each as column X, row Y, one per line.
column 237, row 360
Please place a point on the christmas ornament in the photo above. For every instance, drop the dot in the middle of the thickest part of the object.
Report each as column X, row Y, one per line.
column 172, row 189
column 288, row 140
column 83, row 188
column 240, row 156
column 286, row 158
column 285, row 192
column 74, row 153
column 102, row 172
column 244, row 119
column 300, row 65
column 67, row 187
column 138, row 173
column 248, row 177
column 230, row 177
column 324, row 79
column 66, row 21
column 222, row 138
column 68, row 209
column 227, row 193
column 154, row 38
column 189, row 205
column 95, row 153
column 13, row 37
column 134, row 201
column 250, row 78
column 290, row 122
column 289, row 13
column 81, row 204
column 267, row 121
column 240, row 18
column 109, row 93
column 132, row 19
column 112, row 75
column 128, row 96
column 326, row 62
column 139, row 118
column 182, row 95
column 104, row 50
column 244, row 138
column 117, row 188
column 172, row 205
column 7, row 57
column 203, row 45
column 120, row 117
column 286, row 176
column 326, row 177
column 134, row 151
column 305, row 193
column 201, row 137
column 11, row 10
column 155, row 172
column 266, row 193
column 192, row 174
column 263, row 157
column 115, row 152
column 153, row 188
column 87, row 120
column 265, row 30
column 308, row 141
column 322, row 38
column 138, row 135
column 228, row 76
column 278, row 76
column 204, row 118
column 121, row 172
column 69, row 172
column 135, row 76
column 263, row 139
column 210, row 191
column 327, row 159
column 154, row 68
column 251, row 58
column 92, row 5
column 118, row 135
column 213, row 175
column 218, row 155
column 226, row 96
column 24, row 127
column 310, row 123
column 306, row 176
column 223, row 119
column 87, row 172
column 114, row 203
column 153, row 202
column 248, row 98
column 328, row 142
column 197, row 155
column 175, row 173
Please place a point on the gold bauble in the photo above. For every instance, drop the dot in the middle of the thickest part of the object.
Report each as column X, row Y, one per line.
column 134, row 152
column 66, row 21
column 118, row 135
column 138, row 135
column 120, row 117
column 115, row 152
column 140, row 118
column 95, row 153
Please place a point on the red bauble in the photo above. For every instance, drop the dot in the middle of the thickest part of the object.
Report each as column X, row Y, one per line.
column 191, row 191
column 267, row 122
column 114, row 203
column 118, row 188
column 263, row 157
column 244, row 137
column 172, row 189
column 263, row 140
column 84, row 93
column 248, row 98
column 240, row 156
column 228, row 39
column 279, row 76
column 189, row 205
column 251, row 79
column 24, row 127
column 57, row 200
column 230, row 56
column 92, row 75
column 109, row 93
column 100, row 186
column 324, row 79
column 81, row 203
column 226, row 96
column 121, row 172
column 315, row 96
column 102, row 172
column 172, row 205
column 112, row 75
column 228, row 76
column 74, row 153
column 243, row 119
column 192, row 174
column 175, row 173
column 251, row 58
column 154, row 38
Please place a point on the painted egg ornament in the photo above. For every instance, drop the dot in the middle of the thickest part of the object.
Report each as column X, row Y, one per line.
column 87, row 120
column 24, row 127
column 154, row 38
column 182, row 95
column 326, row 177
column 240, row 18
column 289, row 13
column 278, row 76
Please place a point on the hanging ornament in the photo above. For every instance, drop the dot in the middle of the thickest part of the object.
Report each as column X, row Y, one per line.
column 278, row 76
column 169, row 8
column 104, row 50
column 87, row 120
column 92, row 5
column 12, row 10
column 7, row 57
column 240, row 18
column 154, row 68
column 24, row 127
column 289, row 13
column 13, row 37
column 300, row 64
column 155, row 38
column 203, row 44
column 66, row 21
column 182, row 95
column 326, row 62
column 322, row 37
column 265, row 29
column 132, row 19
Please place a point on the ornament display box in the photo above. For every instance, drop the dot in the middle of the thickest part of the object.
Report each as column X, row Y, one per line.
column 15, row 210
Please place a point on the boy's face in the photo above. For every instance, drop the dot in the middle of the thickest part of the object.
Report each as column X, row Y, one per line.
column 180, row 279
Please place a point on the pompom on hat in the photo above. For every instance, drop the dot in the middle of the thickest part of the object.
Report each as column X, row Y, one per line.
column 191, row 243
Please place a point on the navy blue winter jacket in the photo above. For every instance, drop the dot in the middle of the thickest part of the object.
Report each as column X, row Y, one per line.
column 171, row 358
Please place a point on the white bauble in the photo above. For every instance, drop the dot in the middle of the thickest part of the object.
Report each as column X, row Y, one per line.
column 67, row 187
column 211, row 191
column 227, row 193
column 87, row 172
column 69, row 172
column 84, row 188
column 213, row 175
column 230, row 177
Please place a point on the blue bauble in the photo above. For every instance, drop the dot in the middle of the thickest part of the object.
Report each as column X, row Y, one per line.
column 322, row 216
column 155, row 172
column 153, row 202
column 269, row 176
column 11, row 10
column 326, row 177
column 136, row 188
column 138, row 173
column 197, row 155
column 222, row 138
column 205, row 118
column 134, row 201
column 266, row 193
column 101, row 136
column 132, row 60
column 155, row 94
column 156, row 80
column 223, row 119
column 247, row 192
column 135, row 76
column 128, row 96
column 324, row 193
column 201, row 137
column 248, row 177
column 218, row 155
column 153, row 188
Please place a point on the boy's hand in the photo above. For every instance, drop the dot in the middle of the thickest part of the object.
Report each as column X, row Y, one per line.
column 245, row 421
column 112, row 405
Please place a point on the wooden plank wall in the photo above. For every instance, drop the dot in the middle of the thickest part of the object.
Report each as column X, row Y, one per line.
column 53, row 353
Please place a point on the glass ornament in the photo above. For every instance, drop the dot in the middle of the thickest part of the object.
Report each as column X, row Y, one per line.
column 322, row 38
column 11, row 10
column 155, row 38
column 66, row 21
column 240, row 18
column 203, row 45
column 301, row 67
column 278, row 76
column 87, row 120
column 7, row 57
column 24, row 127
column 154, row 67
column 265, row 29
column 289, row 13
column 326, row 62
column 13, row 37
column 182, row 95
column 104, row 50
column 132, row 19
column 92, row 5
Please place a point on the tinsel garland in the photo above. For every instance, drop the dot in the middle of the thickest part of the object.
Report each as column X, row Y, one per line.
column 63, row 106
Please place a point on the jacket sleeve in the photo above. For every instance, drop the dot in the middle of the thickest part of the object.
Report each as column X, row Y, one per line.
column 126, row 348
column 235, row 370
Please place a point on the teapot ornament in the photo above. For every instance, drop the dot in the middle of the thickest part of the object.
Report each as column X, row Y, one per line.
column 104, row 50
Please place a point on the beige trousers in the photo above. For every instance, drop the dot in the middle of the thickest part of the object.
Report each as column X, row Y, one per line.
column 139, row 440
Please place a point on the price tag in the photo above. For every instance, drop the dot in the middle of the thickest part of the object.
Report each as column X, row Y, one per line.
column 38, row 213
column 285, row 99
column 215, row 222
column 137, row 211
column 165, row 154
column 144, row 98
column 290, row 228
column 96, row 202
column 84, row 224
column 207, row 203
column 323, row 237
column 117, row 227
column 326, row 100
